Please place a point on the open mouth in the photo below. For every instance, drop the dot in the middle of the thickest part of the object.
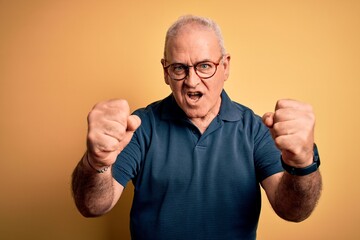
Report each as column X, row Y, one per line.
column 194, row 95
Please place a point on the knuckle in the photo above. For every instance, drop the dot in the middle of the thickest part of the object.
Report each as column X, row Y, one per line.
column 278, row 115
column 107, row 145
column 91, row 137
column 277, row 127
column 281, row 103
column 92, row 117
column 309, row 107
column 111, row 104
column 296, row 149
column 311, row 115
column 120, row 104
column 309, row 120
column 278, row 142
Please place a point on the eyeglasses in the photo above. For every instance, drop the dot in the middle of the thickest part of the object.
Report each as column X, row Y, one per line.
column 204, row 69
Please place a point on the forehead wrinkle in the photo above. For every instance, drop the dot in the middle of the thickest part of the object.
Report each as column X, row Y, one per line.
column 188, row 57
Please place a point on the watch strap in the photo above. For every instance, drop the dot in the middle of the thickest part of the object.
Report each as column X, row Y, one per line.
column 306, row 170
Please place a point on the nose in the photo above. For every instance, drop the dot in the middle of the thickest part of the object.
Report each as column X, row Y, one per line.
column 192, row 79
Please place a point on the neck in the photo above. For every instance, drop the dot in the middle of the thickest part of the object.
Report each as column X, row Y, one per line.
column 202, row 123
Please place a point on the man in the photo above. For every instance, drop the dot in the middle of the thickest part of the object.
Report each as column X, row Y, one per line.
column 196, row 158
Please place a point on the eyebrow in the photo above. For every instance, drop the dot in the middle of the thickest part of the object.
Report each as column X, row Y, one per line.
column 204, row 60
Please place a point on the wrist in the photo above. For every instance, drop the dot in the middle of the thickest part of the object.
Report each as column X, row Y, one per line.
column 302, row 171
column 88, row 161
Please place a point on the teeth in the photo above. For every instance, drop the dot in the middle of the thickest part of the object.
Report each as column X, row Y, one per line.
column 194, row 94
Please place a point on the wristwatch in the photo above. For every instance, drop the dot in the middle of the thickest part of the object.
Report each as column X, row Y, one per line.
column 306, row 170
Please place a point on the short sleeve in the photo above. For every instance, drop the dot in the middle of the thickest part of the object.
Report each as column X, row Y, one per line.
column 128, row 162
column 266, row 154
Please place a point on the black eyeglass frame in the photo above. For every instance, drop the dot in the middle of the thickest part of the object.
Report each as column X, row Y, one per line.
column 187, row 68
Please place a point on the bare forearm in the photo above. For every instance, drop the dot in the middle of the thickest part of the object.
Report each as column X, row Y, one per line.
column 297, row 196
column 93, row 192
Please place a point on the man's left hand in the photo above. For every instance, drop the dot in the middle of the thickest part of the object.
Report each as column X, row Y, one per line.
column 292, row 128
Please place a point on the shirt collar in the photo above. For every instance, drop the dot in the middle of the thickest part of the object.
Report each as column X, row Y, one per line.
column 228, row 109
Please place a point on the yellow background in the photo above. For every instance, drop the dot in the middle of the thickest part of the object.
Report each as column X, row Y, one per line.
column 58, row 58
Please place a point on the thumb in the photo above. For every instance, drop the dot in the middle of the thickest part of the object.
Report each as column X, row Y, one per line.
column 133, row 122
column 268, row 119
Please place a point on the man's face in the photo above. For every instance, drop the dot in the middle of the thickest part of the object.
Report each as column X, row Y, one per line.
column 197, row 97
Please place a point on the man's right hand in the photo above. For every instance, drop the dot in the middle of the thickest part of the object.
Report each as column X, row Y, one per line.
column 110, row 129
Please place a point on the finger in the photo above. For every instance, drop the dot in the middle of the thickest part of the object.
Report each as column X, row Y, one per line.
column 293, row 147
column 114, row 104
column 289, row 103
column 285, row 114
column 125, row 141
column 103, row 143
column 284, row 142
column 114, row 129
column 268, row 119
column 283, row 128
column 119, row 130
column 133, row 122
column 117, row 110
column 286, row 103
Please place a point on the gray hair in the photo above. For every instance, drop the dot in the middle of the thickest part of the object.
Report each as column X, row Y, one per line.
column 201, row 21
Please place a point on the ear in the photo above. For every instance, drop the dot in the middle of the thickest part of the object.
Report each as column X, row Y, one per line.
column 166, row 77
column 226, row 64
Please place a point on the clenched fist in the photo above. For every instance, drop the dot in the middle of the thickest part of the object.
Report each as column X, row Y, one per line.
column 110, row 129
column 292, row 128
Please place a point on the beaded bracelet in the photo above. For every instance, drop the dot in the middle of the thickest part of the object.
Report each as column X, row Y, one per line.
column 98, row 171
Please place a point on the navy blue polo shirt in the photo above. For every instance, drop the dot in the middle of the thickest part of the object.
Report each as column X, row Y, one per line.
column 190, row 185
